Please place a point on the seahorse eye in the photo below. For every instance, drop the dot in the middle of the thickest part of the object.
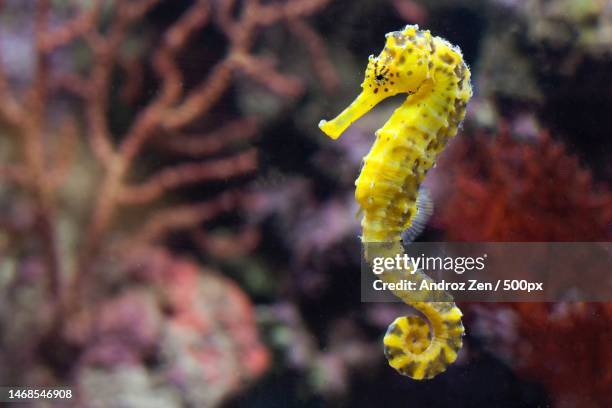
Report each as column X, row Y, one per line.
column 380, row 77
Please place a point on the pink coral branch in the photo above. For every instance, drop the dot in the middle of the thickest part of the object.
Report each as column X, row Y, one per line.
column 185, row 217
column 230, row 245
column 73, row 29
column 10, row 110
column 34, row 153
column 185, row 174
column 200, row 99
column 166, row 68
column 105, row 51
column 14, row 174
column 71, row 83
column 272, row 13
column 194, row 19
column 224, row 17
column 263, row 71
column 174, row 39
column 318, row 55
column 147, row 121
column 64, row 153
column 214, row 142
column 135, row 10
column 134, row 78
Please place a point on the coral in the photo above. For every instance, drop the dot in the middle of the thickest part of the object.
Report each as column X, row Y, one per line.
column 497, row 78
column 328, row 370
column 196, row 326
column 565, row 346
column 578, row 369
column 584, row 26
column 76, row 119
column 501, row 189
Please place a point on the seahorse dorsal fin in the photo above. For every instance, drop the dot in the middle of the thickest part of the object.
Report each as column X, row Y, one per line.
column 425, row 209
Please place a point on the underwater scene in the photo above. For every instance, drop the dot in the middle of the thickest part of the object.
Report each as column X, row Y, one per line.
column 306, row 203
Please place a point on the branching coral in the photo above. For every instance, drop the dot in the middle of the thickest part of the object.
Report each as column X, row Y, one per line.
column 67, row 199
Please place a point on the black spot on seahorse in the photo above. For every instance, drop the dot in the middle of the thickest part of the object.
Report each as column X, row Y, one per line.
column 417, row 321
column 437, row 364
column 454, row 343
column 409, row 369
column 459, row 70
column 395, row 329
column 431, row 369
column 453, row 327
column 391, row 53
column 393, row 352
column 460, row 84
column 444, row 307
column 433, row 144
column 447, row 59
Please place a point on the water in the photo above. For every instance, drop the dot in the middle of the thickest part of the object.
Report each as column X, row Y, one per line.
column 176, row 230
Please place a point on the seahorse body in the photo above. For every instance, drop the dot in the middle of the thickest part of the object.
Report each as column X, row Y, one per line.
column 437, row 80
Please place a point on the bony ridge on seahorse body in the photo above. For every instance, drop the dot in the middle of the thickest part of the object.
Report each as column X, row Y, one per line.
column 437, row 80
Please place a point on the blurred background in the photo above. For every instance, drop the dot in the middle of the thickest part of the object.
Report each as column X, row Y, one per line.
column 175, row 231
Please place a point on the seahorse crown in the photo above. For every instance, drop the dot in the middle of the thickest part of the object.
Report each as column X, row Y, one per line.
column 410, row 58
column 402, row 65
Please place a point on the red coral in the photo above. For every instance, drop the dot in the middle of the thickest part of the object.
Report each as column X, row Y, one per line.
column 500, row 189
column 567, row 346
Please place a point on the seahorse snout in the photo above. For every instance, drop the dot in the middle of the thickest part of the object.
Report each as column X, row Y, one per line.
column 359, row 107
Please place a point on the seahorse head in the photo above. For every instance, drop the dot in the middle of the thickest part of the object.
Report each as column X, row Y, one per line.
column 401, row 67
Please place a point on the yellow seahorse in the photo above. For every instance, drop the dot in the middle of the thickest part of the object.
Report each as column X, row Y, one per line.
column 437, row 80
